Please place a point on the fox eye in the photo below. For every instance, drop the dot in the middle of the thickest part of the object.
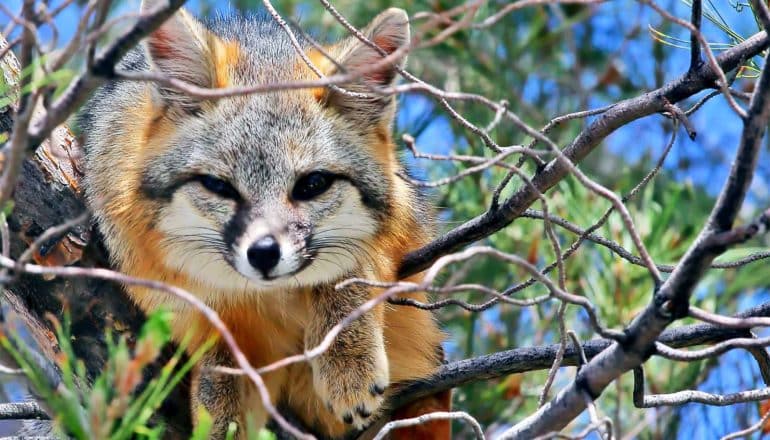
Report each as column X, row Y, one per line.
column 218, row 186
column 312, row 185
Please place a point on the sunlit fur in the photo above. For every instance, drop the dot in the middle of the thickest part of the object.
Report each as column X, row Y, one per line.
column 146, row 144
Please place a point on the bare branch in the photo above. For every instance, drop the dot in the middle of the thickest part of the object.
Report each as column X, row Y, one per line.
column 721, row 81
column 672, row 299
column 22, row 410
column 626, row 254
column 525, row 359
column 98, row 73
column 716, row 350
column 727, row 321
column 750, row 430
column 425, row 418
column 695, row 59
column 615, row 117
column 763, row 13
column 19, row 137
column 690, row 396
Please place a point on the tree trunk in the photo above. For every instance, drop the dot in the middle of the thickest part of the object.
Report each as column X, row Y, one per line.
column 48, row 194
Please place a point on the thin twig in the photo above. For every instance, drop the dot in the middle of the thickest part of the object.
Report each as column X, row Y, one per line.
column 22, row 411
column 425, row 418
column 695, row 59
column 750, row 430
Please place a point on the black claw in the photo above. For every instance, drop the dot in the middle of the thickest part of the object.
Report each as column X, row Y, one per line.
column 377, row 390
column 348, row 418
column 362, row 411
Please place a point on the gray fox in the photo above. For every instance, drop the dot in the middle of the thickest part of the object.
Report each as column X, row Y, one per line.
column 260, row 205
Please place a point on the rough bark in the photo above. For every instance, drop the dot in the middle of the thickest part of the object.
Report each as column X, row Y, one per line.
column 48, row 194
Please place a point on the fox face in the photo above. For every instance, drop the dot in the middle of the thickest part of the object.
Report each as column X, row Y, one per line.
column 271, row 199
column 263, row 191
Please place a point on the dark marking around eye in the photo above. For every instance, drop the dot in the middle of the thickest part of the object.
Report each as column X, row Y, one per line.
column 237, row 224
column 312, row 185
column 373, row 195
column 218, row 186
column 158, row 189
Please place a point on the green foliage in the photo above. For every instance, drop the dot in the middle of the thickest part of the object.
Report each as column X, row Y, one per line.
column 205, row 423
column 618, row 288
column 711, row 13
column 37, row 78
column 116, row 407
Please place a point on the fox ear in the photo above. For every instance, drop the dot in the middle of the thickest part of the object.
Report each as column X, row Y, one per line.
column 389, row 31
column 183, row 49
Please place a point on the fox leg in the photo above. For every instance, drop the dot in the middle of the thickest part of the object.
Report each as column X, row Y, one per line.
column 351, row 377
column 415, row 352
column 218, row 393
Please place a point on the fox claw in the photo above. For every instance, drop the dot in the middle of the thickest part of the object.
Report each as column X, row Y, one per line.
column 354, row 393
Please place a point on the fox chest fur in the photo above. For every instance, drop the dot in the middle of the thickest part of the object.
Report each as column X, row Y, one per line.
column 259, row 205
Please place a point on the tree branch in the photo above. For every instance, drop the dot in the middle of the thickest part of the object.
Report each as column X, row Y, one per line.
column 618, row 115
column 102, row 69
column 695, row 59
column 671, row 301
column 22, row 410
column 521, row 360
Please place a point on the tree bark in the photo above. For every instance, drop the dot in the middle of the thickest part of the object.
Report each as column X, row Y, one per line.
column 48, row 194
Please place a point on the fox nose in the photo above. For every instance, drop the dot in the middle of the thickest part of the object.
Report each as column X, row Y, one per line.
column 264, row 254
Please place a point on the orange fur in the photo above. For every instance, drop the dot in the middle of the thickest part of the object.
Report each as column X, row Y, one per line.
column 226, row 56
column 437, row 429
column 269, row 327
column 323, row 64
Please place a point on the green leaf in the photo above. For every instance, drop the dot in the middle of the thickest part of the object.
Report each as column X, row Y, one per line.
column 232, row 428
column 203, row 426
column 264, row 434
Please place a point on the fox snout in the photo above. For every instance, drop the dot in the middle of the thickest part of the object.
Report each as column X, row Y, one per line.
column 264, row 255
column 269, row 250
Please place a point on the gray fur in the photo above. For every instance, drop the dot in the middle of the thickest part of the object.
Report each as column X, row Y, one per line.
column 260, row 144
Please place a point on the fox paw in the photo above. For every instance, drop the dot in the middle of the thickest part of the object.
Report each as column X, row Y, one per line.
column 353, row 389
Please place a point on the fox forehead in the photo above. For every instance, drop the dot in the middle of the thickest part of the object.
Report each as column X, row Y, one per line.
column 263, row 143
column 268, row 135
column 266, row 140
column 257, row 50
